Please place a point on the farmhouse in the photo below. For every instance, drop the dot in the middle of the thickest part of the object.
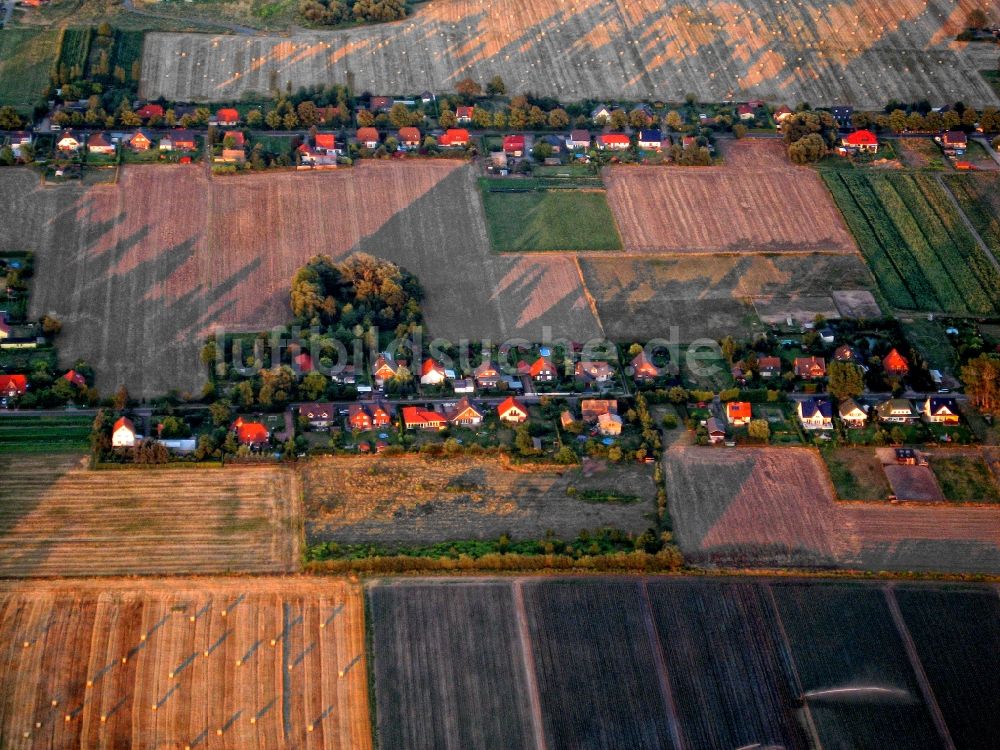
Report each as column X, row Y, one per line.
column 851, row 413
column 643, row 369
column 178, row 140
column 895, row 364
column 432, row 373
column 367, row 137
column 140, row 141
column 593, row 372
column 149, row 111
column 464, row 114
column 486, row 375
column 770, row 367
column 716, row 432
column 578, row 139
column 227, row 117
column 13, row 385
column 409, row 137
column 466, row 414
column 896, row 410
column 513, row 145
column 810, row 368
column 859, row 140
column 592, row 408
column 609, row 424
column 98, row 143
column 815, row 413
column 954, row 142
column 738, row 413
column 384, row 368
column 513, row 411
column 613, row 142
column 319, row 416
column 455, row 138
column 123, row 434
column 419, row 418
column 251, row 433
column 940, row 410
column 650, row 140
column 542, row 370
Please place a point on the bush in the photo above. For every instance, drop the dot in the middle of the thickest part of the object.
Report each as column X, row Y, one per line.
column 670, row 421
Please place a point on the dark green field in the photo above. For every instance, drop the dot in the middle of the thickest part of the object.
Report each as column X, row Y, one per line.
column 525, row 215
column 56, row 434
column 26, row 56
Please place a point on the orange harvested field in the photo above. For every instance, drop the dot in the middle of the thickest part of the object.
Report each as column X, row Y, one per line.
column 58, row 518
column 775, row 506
column 179, row 663
column 757, row 202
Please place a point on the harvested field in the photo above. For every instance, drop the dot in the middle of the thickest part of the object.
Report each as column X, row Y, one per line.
column 85, row 663
column 858, row 51
column 913, row 483
column 410, row 500
column 153, row 276
column 641, row 298
column 757, row 202
column 856, row 303
column 776, row 506
column 856, row 473
column 57, row 518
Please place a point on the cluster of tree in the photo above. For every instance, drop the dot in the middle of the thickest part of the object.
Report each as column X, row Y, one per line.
column 10, row 119
column 373, row 291
column 337, row 12
column 981, row 376
column 809, row 135
column 923, row 119
column 47, row 389
column 107, row 88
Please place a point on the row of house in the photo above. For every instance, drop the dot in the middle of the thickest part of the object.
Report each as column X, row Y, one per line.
column 140, row 140
column 817, row 413
column 894, row 365
column 375, row 414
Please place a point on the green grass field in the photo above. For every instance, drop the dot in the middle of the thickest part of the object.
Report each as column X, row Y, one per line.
column 573, row 220
column 26, row 56
column 44, row 434
column 965, row 479
column 856, row 474
column 915, row 243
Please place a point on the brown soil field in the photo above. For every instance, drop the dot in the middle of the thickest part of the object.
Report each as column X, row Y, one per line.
column 140, row 272
column 247, row 664
column 859, row 51
column 57, row 518
column 776, row 506
column 757, row 202
column 713, row 296
column 412, row 500
column 913, row 483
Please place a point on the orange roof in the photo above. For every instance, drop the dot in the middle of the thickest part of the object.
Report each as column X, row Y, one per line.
column 409, row 135
column 417, row 415
column 124, row 422
column 430, row 366
column 75, row 378
column 541, row 364
column 614, row 138
column 250, row 432
column 455, row 136
column 511, row 403
column 227, row 114
column 326, row 140
column 862, row 138
column 463, row 112
column 367, row 135
column 237, row 135
column 13, row 383
column 895, row 362
column 738, row 410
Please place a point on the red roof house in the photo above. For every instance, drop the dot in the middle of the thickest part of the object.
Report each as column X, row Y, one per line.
column 13, row 385
column 861, row 140
column 419, row 418
column 738, row 412
column 304, row 362
column 150, row 110
column 542, row 370
column 368, row 137
column 643, row 367
column 250, row 433
column 512, row 410
column 895, row 364
column 431, row 373
column 238, row 138
column 613, row 142
column 513, row 145
column 326, row 141
column 455, row 138
column 227, row 117
column 465, row 413
column 463, row 114
column 75, row 378
column 810, row 367
column 409, row 137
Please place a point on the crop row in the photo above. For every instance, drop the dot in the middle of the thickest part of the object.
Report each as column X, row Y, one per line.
column 973, row 194
column 74, row 48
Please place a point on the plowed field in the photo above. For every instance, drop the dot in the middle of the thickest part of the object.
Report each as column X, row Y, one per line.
column 757, row 202
column 859, row 51
column 247, row 664
column 57, row 518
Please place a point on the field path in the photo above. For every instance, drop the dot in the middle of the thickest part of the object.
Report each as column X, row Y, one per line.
column 527, row 654
column 965, row 220
column 656, row 644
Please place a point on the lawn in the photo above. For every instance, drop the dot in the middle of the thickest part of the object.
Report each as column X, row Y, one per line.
column 856, row 474
column 537, row 219
column 932, row 342
column 965, row 479
column 59, row 434
column 26, row 56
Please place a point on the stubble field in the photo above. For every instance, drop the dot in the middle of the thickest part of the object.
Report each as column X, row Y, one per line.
column 859, row 51
column 422, row 501
column 57, row 518
column 776, row 506
column 756, row 202
column 247, row 664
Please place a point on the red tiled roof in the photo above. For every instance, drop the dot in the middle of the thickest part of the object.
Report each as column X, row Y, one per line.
column 250, row 432
column 895, row 362
column 429, row 366
column 463, row 112
column 304, row 362
column 862, row 138
column 416, row 415
column 367, row 135
column 326, row 140
column 124, row 422
column 75, row 378
column 409, row 135
column 738, row 410
column 541, row 364
column 511, row 403
column 13, row 384
column 227, row 114
column 513, row 143
column 455, row 137
column 150, row 110
column 237, row 135
column 609, row 138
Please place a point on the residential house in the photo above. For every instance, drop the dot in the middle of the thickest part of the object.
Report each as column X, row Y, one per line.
column 75, row 378
column 556, row 143
column 643, row 369
column 815, row 413
column 380, row 103
column 140, row 141
column 384, row 368
column 303, row 362
column 454, row 138
column 251, row 433
column 810, row 368
column 432, row 373
column 465, row 413
column 845, row 353
column 227, row 117
column 178, row 140
column 739, row 413
column 148, row 111
column 592, row 408
column 486, row 375
column 954, row 142
column 513, row 145
column 419, row 418
column 327, row 143
column 895, row 365
column 123, row 434
column 367, row 137
column 381, row 413
column 320, row 416
column 738, row 373
column 897, row 411
column 409, row 138
column 98, row 143
column 463, row 115
column 367, row 416
column 843, row 115
column 346, row 375
column 769, row 367
column 236, row 137
column 233, row 148
column 600, row 114
column 613, row 142
column 940, row 410
column 566, row 419
column 13, row 385
column 716, row 432
column 827, row 335
column 310, row 156
column 781, row 114
column 593, row 372
column 860, row 140
column 463, row 385
column 745, row 112
column 578, row 139
column 513, row 411
column 609, row 424
column 650, row 140
column 18, row 140
column 851, row 413
column 542, row 370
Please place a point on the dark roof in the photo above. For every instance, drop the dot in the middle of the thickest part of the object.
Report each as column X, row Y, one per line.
column 949, row 403
column 650, row 135
column 812, row 406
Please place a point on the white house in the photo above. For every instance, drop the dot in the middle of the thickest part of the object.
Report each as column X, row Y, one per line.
column 123, row 434
column 432, row 373
column 815, row 414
